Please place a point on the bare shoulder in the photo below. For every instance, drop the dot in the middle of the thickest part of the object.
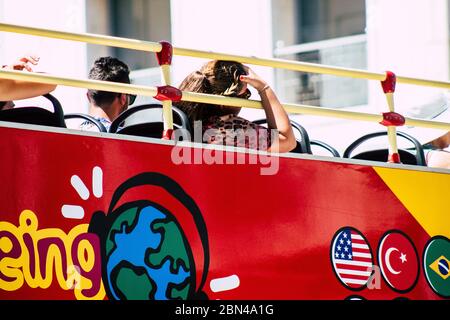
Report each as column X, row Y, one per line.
column 439, row 159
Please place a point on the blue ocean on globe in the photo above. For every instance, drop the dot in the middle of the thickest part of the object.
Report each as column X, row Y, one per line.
column 133, row 246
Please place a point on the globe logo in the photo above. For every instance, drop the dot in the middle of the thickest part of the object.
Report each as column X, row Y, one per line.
column 154, row 246
column 147, row 256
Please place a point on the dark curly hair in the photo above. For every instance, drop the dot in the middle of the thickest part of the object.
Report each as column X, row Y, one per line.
column 107, row 69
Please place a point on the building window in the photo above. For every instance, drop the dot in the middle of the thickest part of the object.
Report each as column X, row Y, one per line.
column 143, row 20
column 137, row 19
column 330, row 32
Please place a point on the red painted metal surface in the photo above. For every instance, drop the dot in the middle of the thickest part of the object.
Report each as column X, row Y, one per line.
column 165, row 93
column 392, row 119
column 166, row 54
column 388, row 84
column 274, row 232
column 167, row 134
column 394, row 158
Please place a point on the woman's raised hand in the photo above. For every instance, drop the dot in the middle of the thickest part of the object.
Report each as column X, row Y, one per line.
column 253, row 79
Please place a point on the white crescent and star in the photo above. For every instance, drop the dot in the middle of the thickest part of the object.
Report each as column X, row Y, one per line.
column 387, row 257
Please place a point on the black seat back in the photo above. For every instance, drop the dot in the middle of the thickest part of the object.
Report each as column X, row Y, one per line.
column 153, row 128
column 327, row 147
column 382, row 155
column 36, row 115
column 87, row 118
column 303, row 145
column 406, row 157
column 149, row 129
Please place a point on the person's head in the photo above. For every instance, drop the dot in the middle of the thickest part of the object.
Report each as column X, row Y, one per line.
column 5, row 105
column 215, row 77
column 114, row 70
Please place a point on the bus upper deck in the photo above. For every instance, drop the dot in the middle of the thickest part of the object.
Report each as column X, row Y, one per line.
column 101, row 216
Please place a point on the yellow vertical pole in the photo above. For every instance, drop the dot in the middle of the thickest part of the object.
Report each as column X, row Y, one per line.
column 389, row 88
column 165, row 61
column 392, row 132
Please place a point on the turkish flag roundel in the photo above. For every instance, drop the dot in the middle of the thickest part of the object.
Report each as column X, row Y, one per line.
column 399, row 261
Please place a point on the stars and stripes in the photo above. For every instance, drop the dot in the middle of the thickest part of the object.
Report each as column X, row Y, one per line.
column 352, row 259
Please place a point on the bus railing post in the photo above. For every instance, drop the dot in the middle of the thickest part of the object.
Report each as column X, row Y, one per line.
column 165, row 61
column 391, row 119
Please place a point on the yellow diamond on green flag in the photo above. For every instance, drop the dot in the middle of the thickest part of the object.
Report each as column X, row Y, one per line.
column 441, row 266
column 436, row 265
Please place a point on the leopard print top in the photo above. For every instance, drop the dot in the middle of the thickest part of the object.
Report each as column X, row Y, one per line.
column 231, row 130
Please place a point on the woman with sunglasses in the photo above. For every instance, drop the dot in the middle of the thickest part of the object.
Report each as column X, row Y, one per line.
column 221, row 124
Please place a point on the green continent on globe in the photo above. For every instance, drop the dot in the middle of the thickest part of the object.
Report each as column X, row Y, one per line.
column 134, row 286
column 172, row 248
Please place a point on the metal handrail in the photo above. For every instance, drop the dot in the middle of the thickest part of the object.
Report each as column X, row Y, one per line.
column 79, row 83
column 268, row 62
column 211, row 99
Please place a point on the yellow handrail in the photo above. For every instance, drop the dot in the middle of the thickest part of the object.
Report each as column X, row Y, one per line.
column 268, row 62
column 79, row 83
column 283, row 64
column 85, row 37
column 211, row 99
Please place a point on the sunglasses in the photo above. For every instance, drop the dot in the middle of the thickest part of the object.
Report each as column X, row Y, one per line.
column 131, row 99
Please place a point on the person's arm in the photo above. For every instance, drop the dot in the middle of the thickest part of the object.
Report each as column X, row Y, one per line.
column 438, row 159
column 277, row 117
column 17, row 90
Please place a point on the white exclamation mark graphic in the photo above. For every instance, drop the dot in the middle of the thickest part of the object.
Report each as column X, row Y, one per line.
column 97, row 182
column 224, row 284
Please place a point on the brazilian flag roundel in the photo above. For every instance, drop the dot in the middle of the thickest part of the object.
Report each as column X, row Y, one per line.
column 436, row 265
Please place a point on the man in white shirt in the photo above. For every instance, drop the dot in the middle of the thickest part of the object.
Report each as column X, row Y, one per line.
column 103, row 105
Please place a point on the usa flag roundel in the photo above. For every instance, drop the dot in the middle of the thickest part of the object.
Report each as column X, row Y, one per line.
column 352, row 258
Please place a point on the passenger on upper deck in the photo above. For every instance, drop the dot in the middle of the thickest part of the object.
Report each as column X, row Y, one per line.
column 16, row 90
column 439, row 157
column 220, row 124
column 103, row 105
column 436, row 142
